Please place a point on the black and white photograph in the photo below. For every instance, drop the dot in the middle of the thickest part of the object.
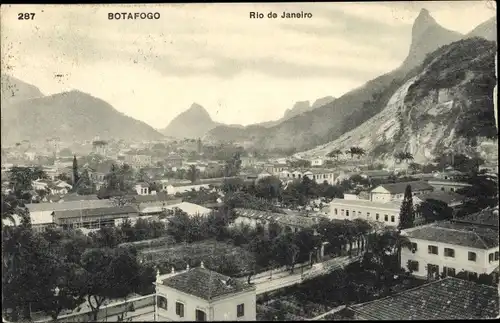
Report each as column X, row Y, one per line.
column 280, row 161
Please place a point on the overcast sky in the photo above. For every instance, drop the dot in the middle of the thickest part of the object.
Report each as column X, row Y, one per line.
column 241, row 70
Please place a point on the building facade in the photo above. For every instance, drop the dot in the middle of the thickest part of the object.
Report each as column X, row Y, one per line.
column 200, row 294
column 449, row 248
column 386, row 213
column 395, row 191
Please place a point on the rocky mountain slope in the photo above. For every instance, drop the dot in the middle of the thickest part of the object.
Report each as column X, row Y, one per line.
column 193, row 123
column 487, row 30
column 72, row 116
column 447, row 104
column 335, row 118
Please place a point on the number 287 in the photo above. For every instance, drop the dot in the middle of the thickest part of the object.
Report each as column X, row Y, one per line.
column 26, row 16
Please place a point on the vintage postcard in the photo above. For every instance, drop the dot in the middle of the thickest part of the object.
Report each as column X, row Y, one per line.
column 249, row 161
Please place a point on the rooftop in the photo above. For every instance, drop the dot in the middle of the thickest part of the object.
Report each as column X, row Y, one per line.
column 367, row 203
column 113, row 210
column 191, row 208
column 446, row 197
column 461, row 234
column 376, row 173
column 286, row 219
column 399, row 188
column 206, row 284
column 449, row 298
column 487, row 217
column 447, row 181
column 158, row 197
column 67, row 205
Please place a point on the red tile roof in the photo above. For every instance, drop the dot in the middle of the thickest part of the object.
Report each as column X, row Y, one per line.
column 449, row 298
column 460, row 234
column 206, row 284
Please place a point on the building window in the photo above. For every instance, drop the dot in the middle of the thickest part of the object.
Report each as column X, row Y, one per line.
column 386, row 217
column 452, row 189
column 201, row 316
column 346, row 212
column 414, row 246
column 179, row 309
column 496, row 255
column 359, row 213
column 342, row 212
column 335, row 211
column 449, row 252
column 472, row 256
column 367, row 213
column 392, row 218
column 162, row 302
column 433, row 250
column 491, row 257
column 442, row 188
column 432, row 271
column 412, row 265
column 448, row 271
column 240, row 310
column 377, row 216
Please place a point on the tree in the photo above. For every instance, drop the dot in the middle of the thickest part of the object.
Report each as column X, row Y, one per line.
column 335, row 153
column 233, row 165
column 434, row 210
column 193, row 173
column 142, row 176
column 20, row 178
column 406, row 215
column 106, row 277
column 76, row 177
column 285, row 250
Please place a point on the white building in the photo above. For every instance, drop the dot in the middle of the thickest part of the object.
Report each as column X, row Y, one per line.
column 386, row 213
column 451, row 247
column 142, row 189
column 321, row 175
column 190, row 208
column 317, row 162
column 396, row 191
column 200, row 294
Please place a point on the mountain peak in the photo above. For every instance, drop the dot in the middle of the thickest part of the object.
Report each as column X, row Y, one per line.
column 423, row 21
column 192, row 123
column 427, row 36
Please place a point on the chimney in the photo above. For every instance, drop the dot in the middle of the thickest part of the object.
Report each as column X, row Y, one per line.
column 202, row 265
column 187, row 267
column 172, row 271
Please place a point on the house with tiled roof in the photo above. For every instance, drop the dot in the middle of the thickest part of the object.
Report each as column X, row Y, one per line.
column 94, row 218
column 449, row 248
column 446, row 299
column 386, row 213
column 200, row 294
column 289, row 222
column 451, row 199
column 396, row 191
column 487, row 217
column 447, row 185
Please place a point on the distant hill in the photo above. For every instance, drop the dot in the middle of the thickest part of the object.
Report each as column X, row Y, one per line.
column 331, row 120
column 72, row 116
column 13, row 89
column 487, row 30
column 193, row 123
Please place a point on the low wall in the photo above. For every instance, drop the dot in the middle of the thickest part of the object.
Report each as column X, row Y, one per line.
column 109, row 310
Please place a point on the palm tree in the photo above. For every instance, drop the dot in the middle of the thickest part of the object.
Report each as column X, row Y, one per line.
column 360, row 152
column 400, row 156
column 335, row 153
column 352, row 151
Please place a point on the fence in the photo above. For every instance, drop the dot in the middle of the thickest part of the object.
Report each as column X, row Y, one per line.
column 115, row 309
